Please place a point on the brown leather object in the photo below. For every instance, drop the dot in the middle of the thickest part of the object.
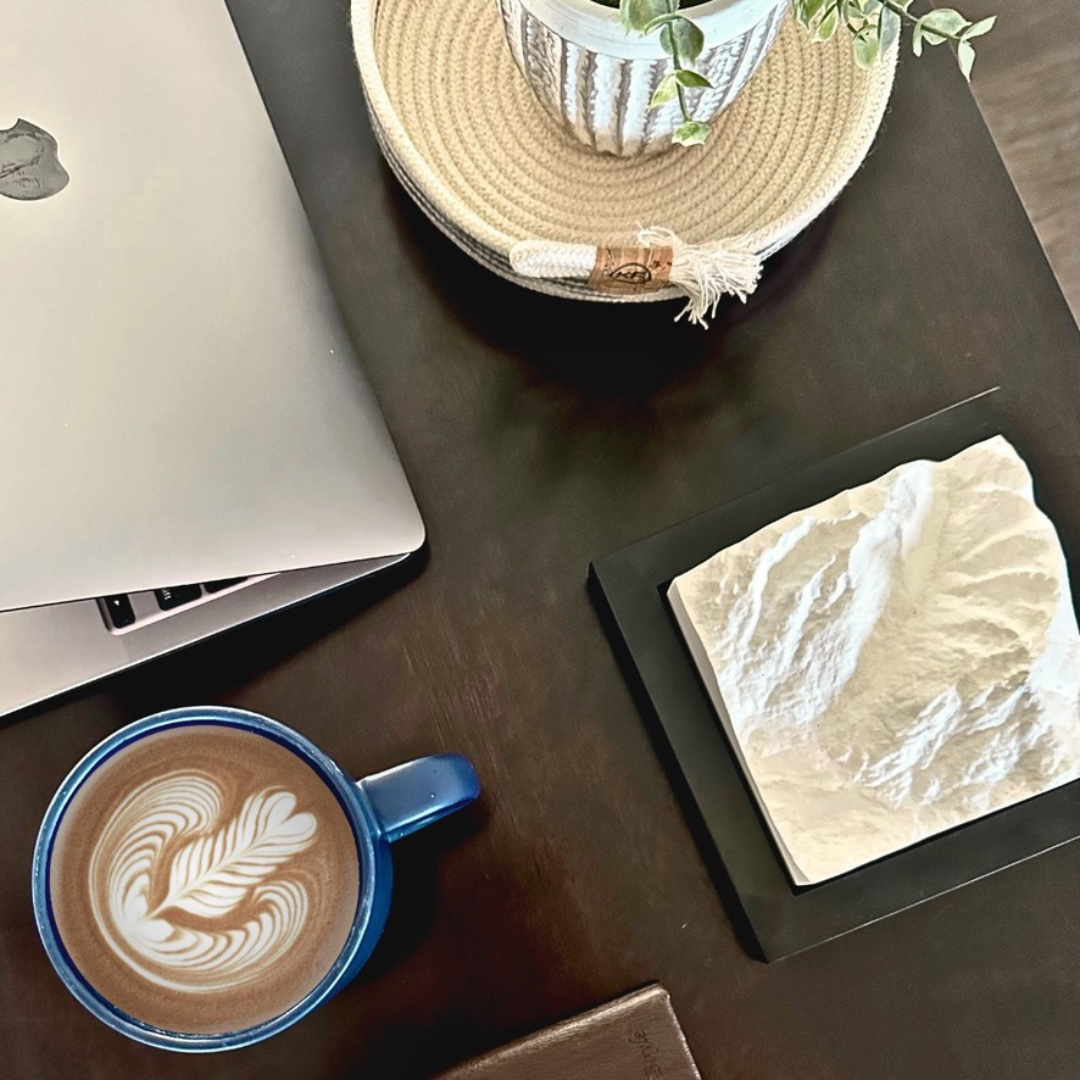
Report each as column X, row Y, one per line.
column 635, row 1037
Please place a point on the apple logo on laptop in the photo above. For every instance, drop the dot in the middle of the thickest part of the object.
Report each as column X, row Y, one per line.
column 29, row 165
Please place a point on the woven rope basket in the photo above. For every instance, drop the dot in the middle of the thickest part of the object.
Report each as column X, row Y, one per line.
column 469, row 142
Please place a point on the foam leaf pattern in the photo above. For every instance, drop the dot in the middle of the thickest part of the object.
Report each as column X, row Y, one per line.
column 214, row 874
column 233, row 907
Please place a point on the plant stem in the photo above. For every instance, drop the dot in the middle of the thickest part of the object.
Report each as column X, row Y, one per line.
column 681, row 90
column 676, row 61
column 905, row 14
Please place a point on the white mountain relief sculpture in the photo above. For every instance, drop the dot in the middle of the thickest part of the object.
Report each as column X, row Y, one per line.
column 233, row 868
column 894, row 661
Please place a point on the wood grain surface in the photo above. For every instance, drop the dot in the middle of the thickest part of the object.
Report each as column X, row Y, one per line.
column 1027, row 83
column 538, row 434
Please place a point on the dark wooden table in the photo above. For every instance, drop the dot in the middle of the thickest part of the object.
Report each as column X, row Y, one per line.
column 531, row 452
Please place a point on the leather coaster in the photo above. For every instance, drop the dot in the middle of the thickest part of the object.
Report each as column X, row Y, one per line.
column 636, row 1036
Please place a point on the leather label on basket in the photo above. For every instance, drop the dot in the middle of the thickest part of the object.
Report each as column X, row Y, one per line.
column 631, row 269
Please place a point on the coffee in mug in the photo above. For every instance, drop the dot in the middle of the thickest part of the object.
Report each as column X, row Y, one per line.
column 204, row 879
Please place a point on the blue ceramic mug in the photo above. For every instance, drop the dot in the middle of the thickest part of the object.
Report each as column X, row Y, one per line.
column 379, row 809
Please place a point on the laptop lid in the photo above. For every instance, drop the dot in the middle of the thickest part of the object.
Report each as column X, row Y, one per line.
column 179, row 397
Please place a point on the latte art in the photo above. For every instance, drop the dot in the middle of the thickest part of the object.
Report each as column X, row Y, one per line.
column 166, row 853
column 204, row 879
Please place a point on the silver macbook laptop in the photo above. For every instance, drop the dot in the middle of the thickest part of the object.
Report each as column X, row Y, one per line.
column 187, row 439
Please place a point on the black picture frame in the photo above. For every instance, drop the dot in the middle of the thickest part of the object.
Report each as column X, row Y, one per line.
column 775, row 917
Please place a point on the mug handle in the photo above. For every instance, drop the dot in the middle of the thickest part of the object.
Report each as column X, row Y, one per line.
column 410, row 796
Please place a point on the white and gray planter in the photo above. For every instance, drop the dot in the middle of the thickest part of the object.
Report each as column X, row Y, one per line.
column 597, row 80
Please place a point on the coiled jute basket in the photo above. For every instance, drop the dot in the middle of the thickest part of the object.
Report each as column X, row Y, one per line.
column 469, row 142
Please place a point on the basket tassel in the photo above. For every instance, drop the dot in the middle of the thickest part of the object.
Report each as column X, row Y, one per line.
column 705, row 273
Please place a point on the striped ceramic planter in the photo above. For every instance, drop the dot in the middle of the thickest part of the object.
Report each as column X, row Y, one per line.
column 597, row 80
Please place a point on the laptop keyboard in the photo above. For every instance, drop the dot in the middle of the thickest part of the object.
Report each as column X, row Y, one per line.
column 128, row 611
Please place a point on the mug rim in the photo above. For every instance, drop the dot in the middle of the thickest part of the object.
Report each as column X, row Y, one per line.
column 372, row 855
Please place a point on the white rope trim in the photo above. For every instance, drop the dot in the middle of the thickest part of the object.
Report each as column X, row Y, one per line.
column 703, row 273
column 545, row 259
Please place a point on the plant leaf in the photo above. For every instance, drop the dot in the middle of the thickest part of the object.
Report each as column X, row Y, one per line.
column 812, row 7
column 689, row 39
column 691, row 133
column 692, row 79
column 639, row 13
column 827, row 27
column 212, row 874
column 666, row 41
column 916, row 39
column 943, row 21
column 965, row 56
column 888, row 29
column 667, row 91
column 866, row 50
column 981, row 27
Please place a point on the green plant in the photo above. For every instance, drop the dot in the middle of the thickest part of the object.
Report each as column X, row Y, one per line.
column 874, row 26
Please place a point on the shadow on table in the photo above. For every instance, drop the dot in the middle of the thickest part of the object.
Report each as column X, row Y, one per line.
column 608, row 350
column 400, row 1019
column 207, row 671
